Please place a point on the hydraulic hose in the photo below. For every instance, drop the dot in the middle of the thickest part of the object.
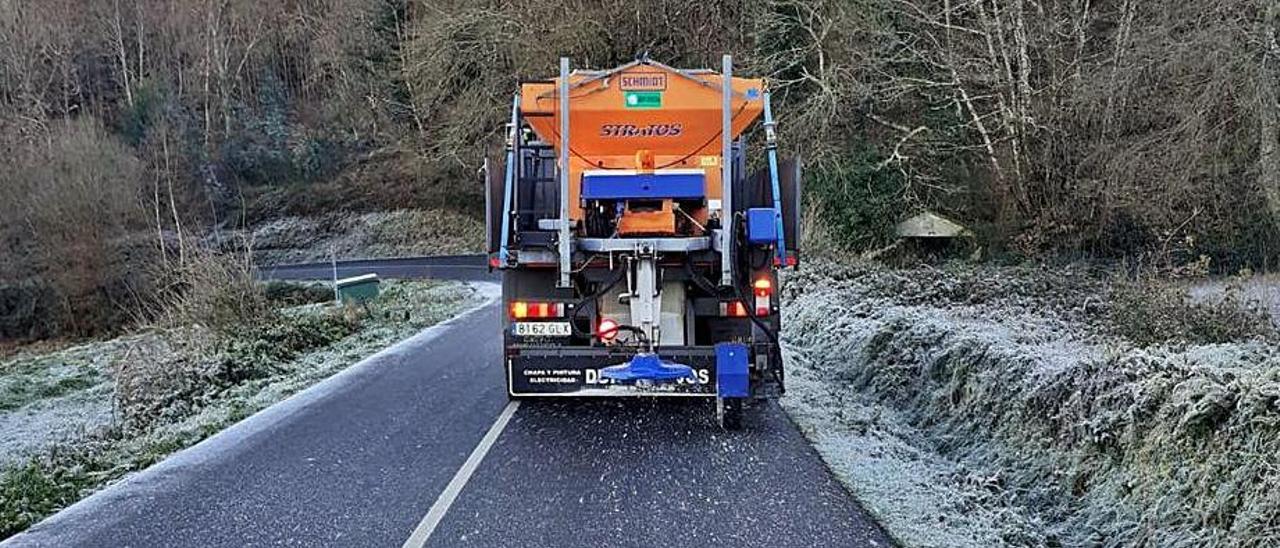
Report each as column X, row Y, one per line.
column 577, row 308
column 605, row 289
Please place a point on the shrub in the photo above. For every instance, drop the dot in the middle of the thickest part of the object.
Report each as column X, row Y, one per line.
column 179, row 370
column 858, row 203
column 1150, row 312
column 163, row 376
column 261, row 349
column 210, row 301
column 214, row 291
column 71, row 216
column 27, row 311
column 316, row 157
column 296, row 294
column 34, row 490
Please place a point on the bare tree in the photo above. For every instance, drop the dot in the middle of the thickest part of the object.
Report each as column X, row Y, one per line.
column 1269, row 109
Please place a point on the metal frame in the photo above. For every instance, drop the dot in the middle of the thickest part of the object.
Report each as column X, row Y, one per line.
column 661, row 245
column 513, row 136
column 489, row 200
column 566, row 246
column 726, row 172
column 646, row 295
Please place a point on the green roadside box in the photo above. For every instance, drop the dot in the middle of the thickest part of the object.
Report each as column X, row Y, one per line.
column 358, row 289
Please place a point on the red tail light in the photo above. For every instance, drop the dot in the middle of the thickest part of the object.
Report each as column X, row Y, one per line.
column 521, row 310
column 607, row 330
column 763, row 290
column 733, row 309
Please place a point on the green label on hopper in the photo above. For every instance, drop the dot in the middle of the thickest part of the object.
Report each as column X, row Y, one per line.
column 643, row 99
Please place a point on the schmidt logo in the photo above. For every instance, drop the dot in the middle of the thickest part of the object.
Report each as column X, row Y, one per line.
column 644, row 81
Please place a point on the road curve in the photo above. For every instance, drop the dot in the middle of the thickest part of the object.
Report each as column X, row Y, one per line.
column 360, row 459
column 451, row 267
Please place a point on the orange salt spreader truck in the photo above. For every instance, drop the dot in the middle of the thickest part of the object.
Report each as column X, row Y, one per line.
column 637, row 257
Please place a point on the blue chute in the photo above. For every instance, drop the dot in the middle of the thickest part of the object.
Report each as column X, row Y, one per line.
column 648, row 367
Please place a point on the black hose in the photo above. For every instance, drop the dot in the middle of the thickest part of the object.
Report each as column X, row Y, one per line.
column 643, row 338
column 577, row 307
column 713, row 289
column 577, row 311
column 704, row 284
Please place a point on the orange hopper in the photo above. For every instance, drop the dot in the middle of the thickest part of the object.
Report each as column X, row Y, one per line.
column 650, row 119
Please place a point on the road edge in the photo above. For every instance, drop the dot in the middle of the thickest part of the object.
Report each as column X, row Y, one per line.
column 61, row 528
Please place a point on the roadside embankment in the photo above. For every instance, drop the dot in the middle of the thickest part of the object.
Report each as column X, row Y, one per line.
column 398, row 233
column 79, row 418
column 983, row 406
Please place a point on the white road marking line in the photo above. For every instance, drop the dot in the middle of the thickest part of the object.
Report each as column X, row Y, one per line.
column 423, row 532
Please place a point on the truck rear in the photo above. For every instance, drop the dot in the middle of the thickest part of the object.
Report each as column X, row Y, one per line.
column 637, row 258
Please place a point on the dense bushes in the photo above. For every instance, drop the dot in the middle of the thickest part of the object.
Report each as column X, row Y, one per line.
column 1154, row 311
column 27, row 311
column 170, row 376
column 859, row 204
column 295, row 294
column 73, row 221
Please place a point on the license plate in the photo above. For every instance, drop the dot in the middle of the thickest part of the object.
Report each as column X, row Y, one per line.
column 542, row 329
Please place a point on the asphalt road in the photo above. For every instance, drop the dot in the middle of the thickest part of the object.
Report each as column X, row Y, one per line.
column 454, row 267
column 363, row 459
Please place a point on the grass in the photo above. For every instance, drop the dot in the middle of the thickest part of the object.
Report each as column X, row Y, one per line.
column 65, row 473
column 30, row 377
column 175, row 389
column 1003, row 415
column 25, row 389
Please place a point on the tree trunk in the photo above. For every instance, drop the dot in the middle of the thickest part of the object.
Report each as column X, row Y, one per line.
column 1269, row 112
column 173, row 204
column 123, row 56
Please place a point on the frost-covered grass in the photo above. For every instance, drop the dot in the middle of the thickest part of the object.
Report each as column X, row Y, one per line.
column 989, row 407
column 406, row 232
column 132, row 401
column 47, row 397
